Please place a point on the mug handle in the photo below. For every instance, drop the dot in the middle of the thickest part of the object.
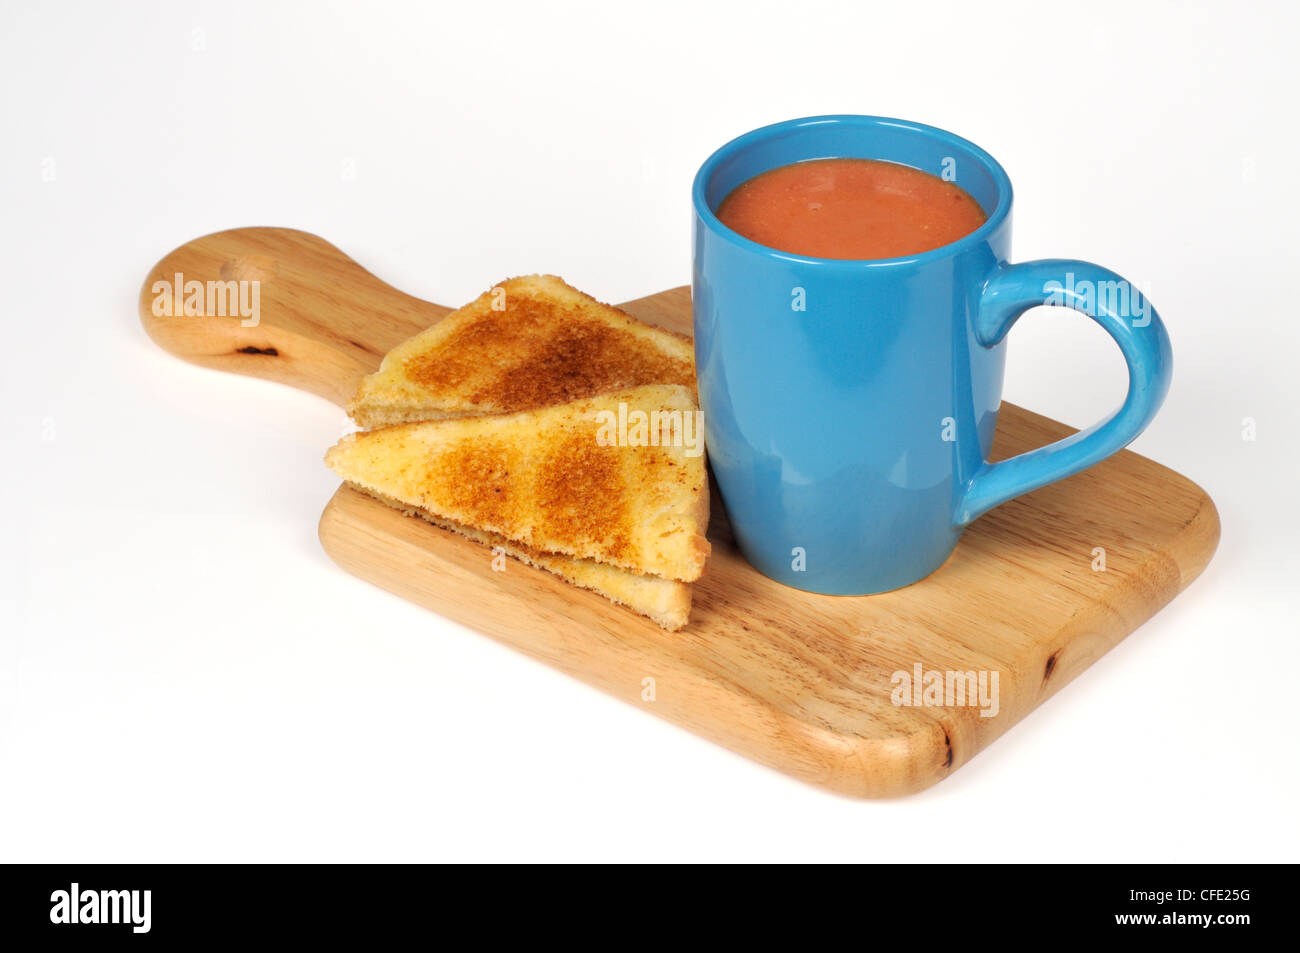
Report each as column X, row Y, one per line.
column 1141, row 336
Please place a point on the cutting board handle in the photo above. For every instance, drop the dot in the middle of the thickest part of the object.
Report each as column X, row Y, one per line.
column 279, row 304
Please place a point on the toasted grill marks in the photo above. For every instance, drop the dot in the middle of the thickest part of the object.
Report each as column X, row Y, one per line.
column 548, row 345
column 473, row 479
column 489, row 423
column 544, row 355
column 581, row 493
column 543, row 479
column 444, row 371
column 581, row 359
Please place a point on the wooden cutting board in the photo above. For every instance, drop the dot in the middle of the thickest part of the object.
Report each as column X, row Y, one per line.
column 797, row 681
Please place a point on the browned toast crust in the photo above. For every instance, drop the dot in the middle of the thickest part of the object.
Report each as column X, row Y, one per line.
column 530, row 342
column 543, row 479
column 664, row 601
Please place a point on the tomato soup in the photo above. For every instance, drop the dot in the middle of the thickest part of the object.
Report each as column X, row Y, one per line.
column 850, row 208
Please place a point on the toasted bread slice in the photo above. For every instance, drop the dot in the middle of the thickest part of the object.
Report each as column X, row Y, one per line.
column 665, row 601
column 618, row 478
column 530, row 342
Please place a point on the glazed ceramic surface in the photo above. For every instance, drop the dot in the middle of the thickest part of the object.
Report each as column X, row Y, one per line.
column 850, row 405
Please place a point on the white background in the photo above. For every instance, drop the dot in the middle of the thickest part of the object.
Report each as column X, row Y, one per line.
column 184, row 674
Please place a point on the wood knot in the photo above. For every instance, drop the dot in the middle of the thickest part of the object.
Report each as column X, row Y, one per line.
column 250, row 268
column 1051, row 665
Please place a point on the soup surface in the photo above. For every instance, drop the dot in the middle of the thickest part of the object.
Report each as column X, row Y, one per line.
column 850, row 208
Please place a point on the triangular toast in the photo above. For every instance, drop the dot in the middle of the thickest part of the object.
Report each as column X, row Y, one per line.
column 529, row 342
column 665, row 601
column 618, row 478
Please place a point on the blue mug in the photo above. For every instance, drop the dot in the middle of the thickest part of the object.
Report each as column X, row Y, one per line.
column 849, row 406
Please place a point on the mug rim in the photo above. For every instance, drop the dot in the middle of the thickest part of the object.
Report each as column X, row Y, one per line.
column 744, row 141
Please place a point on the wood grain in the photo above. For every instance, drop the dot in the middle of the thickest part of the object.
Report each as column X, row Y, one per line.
column 797, row 681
